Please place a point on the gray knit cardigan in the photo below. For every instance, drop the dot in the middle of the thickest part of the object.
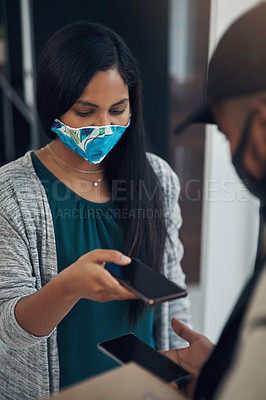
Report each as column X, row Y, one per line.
column 29, row 366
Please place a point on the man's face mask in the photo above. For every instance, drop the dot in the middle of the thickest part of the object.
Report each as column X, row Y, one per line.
column 92, row 143
column 255, row 186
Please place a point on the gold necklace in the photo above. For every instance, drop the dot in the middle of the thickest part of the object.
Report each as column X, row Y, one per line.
column 70, row 166
column 95, row 182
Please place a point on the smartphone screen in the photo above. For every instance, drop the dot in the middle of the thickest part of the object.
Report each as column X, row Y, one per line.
column 130, row 348
column 152, row 287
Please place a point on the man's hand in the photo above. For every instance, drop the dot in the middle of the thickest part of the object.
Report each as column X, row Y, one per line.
column 192, row 357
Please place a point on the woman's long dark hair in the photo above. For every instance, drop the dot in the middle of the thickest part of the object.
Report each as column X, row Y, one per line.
column 68, row 62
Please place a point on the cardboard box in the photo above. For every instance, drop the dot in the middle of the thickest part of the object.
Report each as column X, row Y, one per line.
column 127, row 382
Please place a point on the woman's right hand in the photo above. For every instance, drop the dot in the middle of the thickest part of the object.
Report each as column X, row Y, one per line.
column 87, row 278
column 40, row 312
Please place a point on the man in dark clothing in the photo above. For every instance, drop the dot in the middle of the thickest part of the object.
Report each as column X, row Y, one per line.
column 236, row 101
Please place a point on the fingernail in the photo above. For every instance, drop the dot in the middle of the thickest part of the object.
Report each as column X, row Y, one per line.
column 125, row 258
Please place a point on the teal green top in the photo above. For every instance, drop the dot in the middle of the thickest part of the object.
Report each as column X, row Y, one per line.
column 81, row 226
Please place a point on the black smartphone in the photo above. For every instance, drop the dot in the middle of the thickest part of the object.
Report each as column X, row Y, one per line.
column 130, row 348
column 152, row 287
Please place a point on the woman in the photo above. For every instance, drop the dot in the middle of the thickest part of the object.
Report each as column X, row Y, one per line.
column 90, row 196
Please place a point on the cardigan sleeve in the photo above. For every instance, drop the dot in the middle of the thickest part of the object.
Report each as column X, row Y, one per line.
column 173, row 253
column 17, row 277
column 172, row 268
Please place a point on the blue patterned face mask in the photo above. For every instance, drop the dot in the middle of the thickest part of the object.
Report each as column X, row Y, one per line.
column 92, row 143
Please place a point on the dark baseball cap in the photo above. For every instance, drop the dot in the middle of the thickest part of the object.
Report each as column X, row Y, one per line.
column 237, row 66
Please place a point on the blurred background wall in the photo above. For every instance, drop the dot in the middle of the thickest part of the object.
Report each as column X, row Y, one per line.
column 172, row 40
column 230, row 214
